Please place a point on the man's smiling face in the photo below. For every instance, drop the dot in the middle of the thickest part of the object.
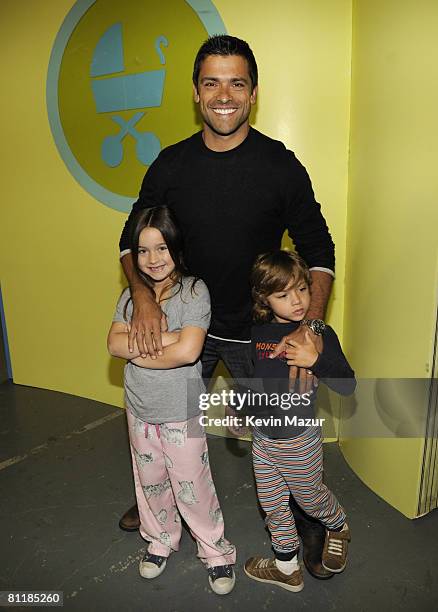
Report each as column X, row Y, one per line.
column 225, row 95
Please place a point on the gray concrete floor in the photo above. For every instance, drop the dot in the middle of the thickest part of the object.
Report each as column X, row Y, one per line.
column 63, row 496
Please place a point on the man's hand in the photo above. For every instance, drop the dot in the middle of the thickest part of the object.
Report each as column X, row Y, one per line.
column 239, row 429
column 147, row 319
column 300, row 344
column 302, row 354
column 146, row 324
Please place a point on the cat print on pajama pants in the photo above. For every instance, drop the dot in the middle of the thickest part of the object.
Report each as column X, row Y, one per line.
column 172, row 478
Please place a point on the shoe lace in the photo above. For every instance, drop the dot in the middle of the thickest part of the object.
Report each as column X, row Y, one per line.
column 264, row 562
column 149, row 557
column 335, row 546
column 220, row 571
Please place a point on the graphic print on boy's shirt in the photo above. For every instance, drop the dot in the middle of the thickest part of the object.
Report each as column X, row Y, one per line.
column 264, row 350
column 272, row 375
column 282, row 408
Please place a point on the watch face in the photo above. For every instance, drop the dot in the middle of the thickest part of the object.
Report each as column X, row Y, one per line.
column 317, row 326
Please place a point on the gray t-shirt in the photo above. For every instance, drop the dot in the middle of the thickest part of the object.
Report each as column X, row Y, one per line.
column 164, row 396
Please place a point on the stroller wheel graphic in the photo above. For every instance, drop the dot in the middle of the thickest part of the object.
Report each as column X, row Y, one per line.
column 112, row 151
column 147, row 144
column 147, row 147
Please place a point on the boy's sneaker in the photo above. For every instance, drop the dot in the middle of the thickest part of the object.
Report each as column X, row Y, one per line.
column 334, row 554
column 152, row 566
column 266, row 570
column 221, row 579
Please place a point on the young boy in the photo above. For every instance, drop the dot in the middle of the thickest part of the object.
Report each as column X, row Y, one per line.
column 287, row 442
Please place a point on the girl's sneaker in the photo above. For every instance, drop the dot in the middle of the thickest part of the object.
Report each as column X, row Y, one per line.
column 221, row 579
column 152, row 566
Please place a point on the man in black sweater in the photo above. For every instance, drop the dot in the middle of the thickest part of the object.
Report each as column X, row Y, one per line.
column 234, row 192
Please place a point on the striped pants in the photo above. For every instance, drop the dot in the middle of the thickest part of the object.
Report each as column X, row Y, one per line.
column 293, row 466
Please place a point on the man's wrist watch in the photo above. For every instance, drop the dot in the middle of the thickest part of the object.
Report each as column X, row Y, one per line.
column 316, row 325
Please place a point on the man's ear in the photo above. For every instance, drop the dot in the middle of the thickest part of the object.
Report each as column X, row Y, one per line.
column 195, row 94
column 254, row 93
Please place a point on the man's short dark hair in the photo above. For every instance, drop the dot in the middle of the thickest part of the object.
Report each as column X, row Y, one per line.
column 222, row 44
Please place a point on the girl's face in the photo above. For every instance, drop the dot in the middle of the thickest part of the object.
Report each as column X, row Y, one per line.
column 292, row 303
column 153, row 255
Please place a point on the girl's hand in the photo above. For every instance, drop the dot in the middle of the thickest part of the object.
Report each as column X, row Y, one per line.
column 301, row 354
column 168, row 338
column 163, row 323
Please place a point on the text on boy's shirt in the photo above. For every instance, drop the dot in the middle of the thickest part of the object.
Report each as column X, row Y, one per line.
column 264, row 350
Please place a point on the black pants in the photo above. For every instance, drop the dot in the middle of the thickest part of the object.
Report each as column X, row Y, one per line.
column 235, row 355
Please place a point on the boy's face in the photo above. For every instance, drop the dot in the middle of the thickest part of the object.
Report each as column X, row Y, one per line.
column 292, row 303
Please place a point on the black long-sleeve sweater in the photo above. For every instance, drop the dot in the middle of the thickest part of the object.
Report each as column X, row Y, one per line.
column 272, row 377
column 231, row 206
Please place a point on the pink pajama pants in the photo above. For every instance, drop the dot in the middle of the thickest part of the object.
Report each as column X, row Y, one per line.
column 172, row 479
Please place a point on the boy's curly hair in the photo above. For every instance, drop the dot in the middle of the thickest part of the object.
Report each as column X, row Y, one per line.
column 273, row 272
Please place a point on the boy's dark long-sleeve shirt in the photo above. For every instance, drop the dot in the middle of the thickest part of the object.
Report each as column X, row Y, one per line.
column 272, row 377
column 231, row 206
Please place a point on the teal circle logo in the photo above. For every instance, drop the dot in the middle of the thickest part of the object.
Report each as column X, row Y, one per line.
column 119, row 88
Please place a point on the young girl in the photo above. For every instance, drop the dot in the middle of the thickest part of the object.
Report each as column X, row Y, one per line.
column 287, row 451
column 168, row 445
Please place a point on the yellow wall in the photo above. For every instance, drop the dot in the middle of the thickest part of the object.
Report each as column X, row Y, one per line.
column 59, row 261
column 60, row 271
column 391, row 275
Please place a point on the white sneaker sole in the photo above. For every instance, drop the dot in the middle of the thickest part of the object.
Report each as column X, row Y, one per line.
column 288, row 587
column 334, row 571
column 222, row 586
column 150, row 570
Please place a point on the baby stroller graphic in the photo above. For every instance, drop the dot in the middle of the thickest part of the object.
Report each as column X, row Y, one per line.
column 121, row 93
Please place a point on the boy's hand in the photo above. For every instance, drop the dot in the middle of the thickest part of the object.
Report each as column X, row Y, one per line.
column 146, row 324
column 307, row 380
